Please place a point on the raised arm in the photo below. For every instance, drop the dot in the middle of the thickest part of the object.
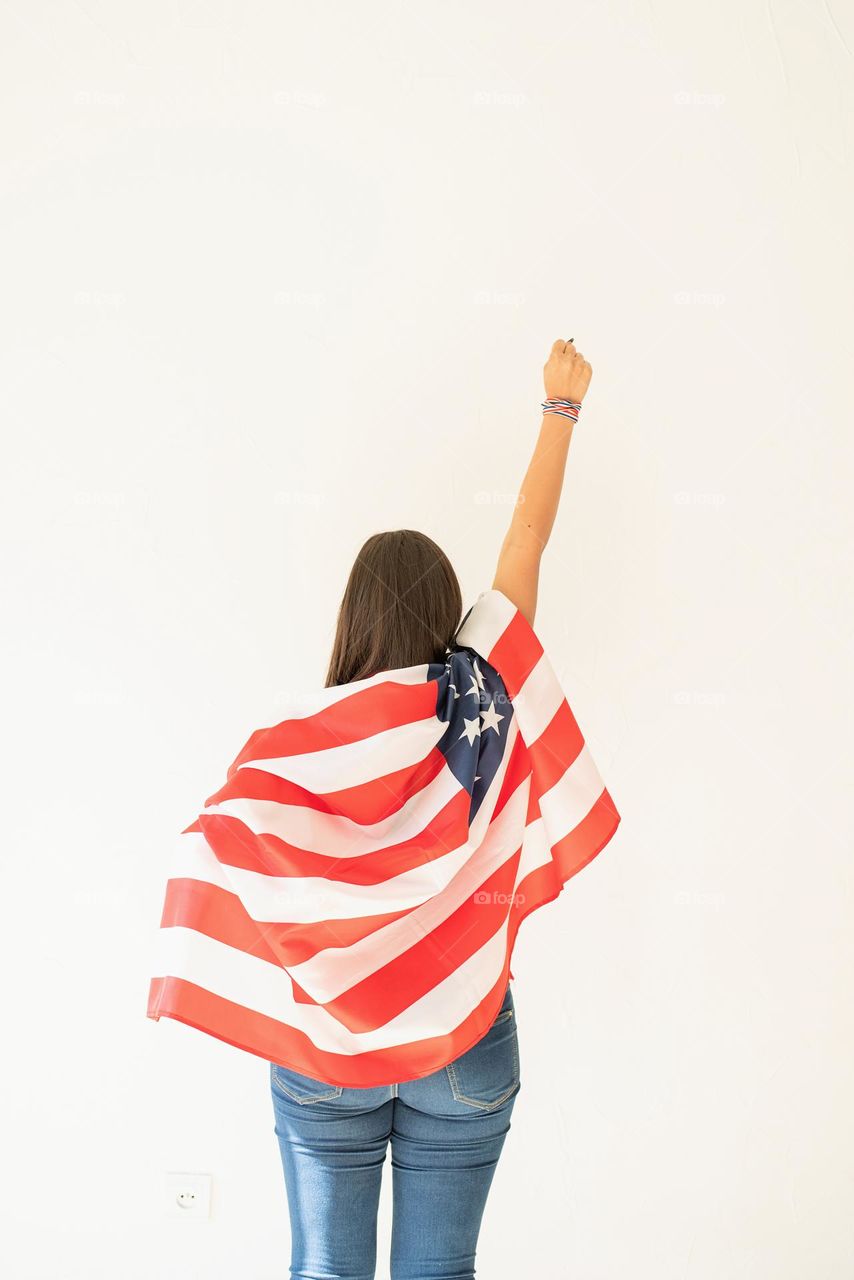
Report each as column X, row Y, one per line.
column 566, row 376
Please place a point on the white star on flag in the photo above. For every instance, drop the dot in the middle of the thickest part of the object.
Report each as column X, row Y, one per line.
column 490, row 718
column 471, row 731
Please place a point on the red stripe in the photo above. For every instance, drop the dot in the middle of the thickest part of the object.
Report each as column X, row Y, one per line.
column 256, row 1033
column 569, row 856
column 219, row 914
column 515, row 654
column 276, row 1042
column 393, row 988
column 518, row 769
column 209, row 909
column 234, row 845
column 580, row 845
column 556, row 749
column 365, row 803
column 388, row 992
column 353, row 718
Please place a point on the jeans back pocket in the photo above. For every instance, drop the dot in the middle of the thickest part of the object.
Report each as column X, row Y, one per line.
column 302, row 1089
column 488, row 1073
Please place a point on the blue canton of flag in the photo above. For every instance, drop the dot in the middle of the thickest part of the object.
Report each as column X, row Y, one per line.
column 472, row 698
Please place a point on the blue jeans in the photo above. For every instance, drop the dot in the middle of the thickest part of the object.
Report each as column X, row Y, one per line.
column 446, row 1132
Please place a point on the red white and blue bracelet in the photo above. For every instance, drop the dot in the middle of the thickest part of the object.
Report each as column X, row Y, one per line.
column 566, row 408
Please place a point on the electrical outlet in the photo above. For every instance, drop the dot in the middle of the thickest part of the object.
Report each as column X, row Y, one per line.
column 188, row 1195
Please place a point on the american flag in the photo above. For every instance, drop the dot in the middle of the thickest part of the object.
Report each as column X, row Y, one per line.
column 346, row 905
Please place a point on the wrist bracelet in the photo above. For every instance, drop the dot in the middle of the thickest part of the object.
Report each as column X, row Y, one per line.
column 566, row 408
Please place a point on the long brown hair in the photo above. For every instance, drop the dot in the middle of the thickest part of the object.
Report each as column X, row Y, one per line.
column 401, row 607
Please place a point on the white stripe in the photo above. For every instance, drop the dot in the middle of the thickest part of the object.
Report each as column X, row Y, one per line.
column 309, row 899
column 537, row 702
column 541, row 695
column 257, row 985
column 563, row 807
column 572, row 797
column 300, row 706
column 353, row 763
column 488, row 619
column 333, row 971
column 336, row 835
column 536, row 850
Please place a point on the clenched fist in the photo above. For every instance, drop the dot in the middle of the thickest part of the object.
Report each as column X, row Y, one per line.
column 566, row 373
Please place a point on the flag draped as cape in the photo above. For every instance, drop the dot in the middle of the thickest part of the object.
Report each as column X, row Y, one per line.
column 346, row 904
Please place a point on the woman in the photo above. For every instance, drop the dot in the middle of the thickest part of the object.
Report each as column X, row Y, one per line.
column 401, row 606
column 346, row 904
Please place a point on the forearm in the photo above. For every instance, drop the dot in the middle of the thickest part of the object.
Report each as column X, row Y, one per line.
column 539, row 495
column 518, row 571
column 566, row 378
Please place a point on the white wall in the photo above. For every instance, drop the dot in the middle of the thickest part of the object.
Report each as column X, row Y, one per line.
column 279, row 275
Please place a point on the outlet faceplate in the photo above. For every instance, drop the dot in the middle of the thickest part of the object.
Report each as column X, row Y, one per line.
column 187, row 1195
